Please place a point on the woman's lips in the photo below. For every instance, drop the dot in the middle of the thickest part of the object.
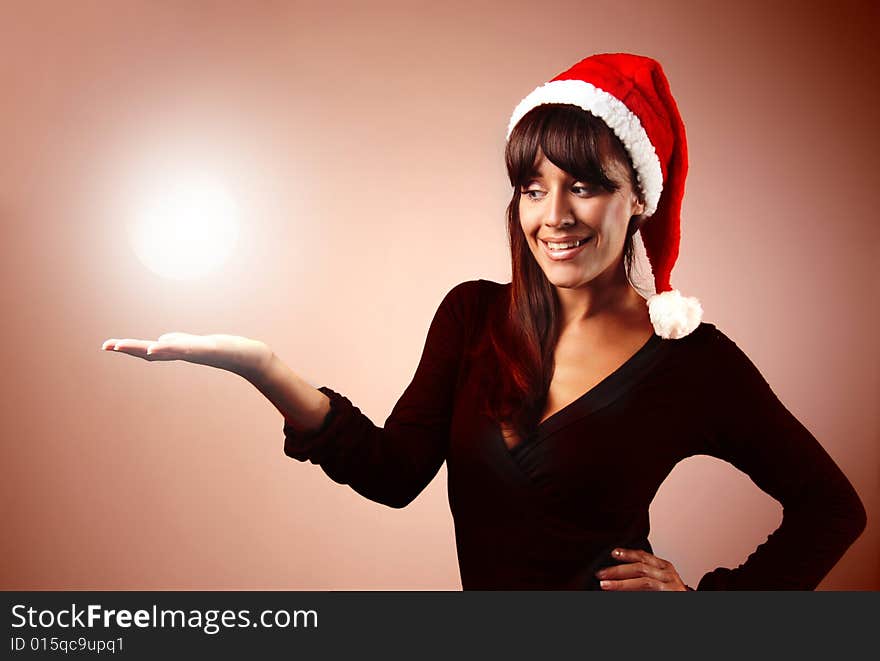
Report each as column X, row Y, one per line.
column 563, row 255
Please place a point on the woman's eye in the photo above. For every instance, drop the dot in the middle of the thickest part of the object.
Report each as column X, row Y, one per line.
column 531, row 194
column 536, row 194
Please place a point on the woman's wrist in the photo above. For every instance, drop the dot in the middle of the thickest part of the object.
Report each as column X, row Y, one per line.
column 256, row 362
column 304, row 407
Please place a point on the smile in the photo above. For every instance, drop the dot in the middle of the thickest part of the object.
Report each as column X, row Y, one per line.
column 565, row 253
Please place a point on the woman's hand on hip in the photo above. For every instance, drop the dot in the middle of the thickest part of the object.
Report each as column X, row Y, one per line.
column 240, row 355
column 640, row 571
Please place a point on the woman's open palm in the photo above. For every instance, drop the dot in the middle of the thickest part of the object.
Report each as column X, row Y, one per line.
column 240, row 355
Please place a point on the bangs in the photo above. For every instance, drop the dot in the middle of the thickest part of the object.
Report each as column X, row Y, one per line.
column 571, row 138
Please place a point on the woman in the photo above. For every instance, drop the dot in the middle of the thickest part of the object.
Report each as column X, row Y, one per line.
column 560, row 401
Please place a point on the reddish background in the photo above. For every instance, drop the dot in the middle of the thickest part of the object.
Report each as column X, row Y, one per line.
column 365, row 143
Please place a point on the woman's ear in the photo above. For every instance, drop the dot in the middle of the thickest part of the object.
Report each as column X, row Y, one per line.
column 638, row 207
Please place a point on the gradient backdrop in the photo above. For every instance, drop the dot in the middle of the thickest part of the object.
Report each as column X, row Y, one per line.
column 364, row 142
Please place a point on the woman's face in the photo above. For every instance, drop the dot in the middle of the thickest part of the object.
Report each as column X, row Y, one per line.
column 556, row 206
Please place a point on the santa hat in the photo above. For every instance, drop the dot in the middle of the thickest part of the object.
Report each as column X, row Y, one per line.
column 631, row 95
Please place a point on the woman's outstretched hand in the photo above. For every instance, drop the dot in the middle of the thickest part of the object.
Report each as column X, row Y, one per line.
column 240, row 355
column 640, row 571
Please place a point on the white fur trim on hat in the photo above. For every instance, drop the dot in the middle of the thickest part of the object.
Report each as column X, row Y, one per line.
column 616, row 115
column 673, row 315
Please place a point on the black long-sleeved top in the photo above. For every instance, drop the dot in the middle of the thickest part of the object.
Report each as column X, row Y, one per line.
column 546, row 514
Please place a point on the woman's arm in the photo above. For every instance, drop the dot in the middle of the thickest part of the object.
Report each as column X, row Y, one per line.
column 303, row 406
column 394, row 463
column 749, row 427
column 389, row 465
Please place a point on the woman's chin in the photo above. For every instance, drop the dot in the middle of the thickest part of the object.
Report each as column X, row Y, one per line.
column 562, row 271
column 565, row 281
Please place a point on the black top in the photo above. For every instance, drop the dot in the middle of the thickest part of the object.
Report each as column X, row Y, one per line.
column 546, row 514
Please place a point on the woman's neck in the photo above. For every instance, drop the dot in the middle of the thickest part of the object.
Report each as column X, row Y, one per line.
column 600, row 300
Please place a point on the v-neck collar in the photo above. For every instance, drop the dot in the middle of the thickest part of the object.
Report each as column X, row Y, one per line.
column 597, row 397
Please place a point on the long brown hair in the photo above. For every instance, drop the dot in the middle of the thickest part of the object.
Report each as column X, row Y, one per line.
column 522, row 332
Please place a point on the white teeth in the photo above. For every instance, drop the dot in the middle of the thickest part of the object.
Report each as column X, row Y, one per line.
column 563, row 246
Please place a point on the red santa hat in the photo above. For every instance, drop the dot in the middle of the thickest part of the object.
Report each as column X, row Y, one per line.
column 631, row 95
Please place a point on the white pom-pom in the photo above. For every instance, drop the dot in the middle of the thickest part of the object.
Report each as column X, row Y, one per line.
column 673, row 315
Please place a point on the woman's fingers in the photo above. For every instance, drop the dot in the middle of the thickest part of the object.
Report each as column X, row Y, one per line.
column 638, row 555
column 640, row 571
column 146, row 349
column 632, row 584
column 631, row 570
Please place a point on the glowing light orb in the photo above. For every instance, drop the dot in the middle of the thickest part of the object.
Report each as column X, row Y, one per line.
column 186, row 226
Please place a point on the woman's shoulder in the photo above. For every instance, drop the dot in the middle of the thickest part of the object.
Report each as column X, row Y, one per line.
column 706, row 337
column 705, row 334
column 474, row 292
column 715, row 351
column 479, row 285
column 709, row 337
column 467, row 304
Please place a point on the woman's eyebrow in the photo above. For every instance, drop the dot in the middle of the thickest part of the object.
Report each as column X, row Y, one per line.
column 536, row 175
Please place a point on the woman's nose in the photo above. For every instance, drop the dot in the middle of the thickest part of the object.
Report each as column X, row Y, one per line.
column 557, row 210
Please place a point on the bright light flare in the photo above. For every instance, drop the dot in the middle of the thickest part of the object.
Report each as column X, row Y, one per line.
column 186, row 226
